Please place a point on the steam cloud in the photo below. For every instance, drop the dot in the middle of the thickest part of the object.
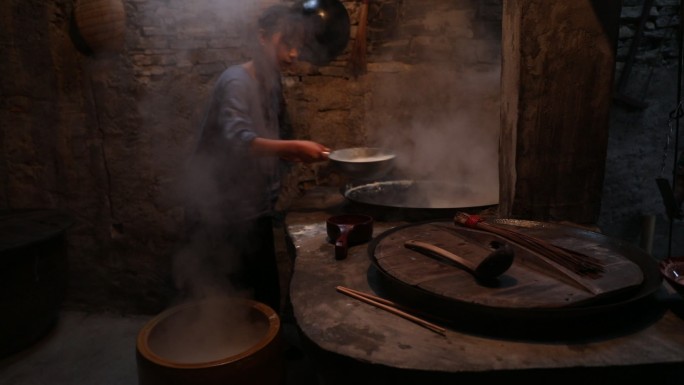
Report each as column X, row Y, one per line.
column 200, row 270
column 442, row 120
column 206, row 32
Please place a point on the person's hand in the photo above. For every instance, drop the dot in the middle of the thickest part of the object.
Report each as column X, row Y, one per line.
column 305, row 151
column 292, row 150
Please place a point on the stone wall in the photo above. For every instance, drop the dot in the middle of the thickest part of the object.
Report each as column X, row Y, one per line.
column 432, row 86
column 106, row 135
column 640, row 123
column 658, row 42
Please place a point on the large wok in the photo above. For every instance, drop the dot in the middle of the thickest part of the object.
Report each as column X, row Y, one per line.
column 329, row 29
column 415, row 200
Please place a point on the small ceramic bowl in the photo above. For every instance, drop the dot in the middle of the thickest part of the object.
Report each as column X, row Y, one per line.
column 347, row 230
column 672, row 269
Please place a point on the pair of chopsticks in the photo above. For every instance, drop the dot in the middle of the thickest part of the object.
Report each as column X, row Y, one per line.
column 389, row 306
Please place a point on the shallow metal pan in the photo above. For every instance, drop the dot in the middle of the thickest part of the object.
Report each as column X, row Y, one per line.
column 416, row 200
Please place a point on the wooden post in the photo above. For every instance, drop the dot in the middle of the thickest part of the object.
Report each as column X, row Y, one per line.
column 557, row 78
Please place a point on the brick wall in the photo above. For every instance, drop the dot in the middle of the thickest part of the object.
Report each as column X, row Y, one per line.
column 106, row 135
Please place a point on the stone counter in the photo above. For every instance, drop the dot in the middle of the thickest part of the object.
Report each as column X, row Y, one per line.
column 353, row 342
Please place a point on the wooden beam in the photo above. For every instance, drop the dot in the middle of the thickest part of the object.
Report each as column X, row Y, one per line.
column 557, row 78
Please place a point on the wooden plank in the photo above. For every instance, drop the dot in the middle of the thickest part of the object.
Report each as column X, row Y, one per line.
column 554, row 123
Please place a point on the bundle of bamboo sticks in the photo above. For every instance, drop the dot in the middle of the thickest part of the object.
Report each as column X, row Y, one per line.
column 574, row 261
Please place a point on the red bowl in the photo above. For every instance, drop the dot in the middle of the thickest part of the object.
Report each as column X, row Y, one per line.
column 348, row 230
column 672, row 269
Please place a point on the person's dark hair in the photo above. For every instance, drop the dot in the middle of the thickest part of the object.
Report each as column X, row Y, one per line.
column 286, row 20
column 289, row 22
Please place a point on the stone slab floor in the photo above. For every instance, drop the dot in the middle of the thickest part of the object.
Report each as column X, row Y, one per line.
column 99, row 349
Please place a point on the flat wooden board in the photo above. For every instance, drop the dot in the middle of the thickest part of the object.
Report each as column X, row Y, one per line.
column 531, row 282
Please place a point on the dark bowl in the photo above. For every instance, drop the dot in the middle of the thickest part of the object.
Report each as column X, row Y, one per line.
column 361, row 227
column 672, row 269
column 329, row 29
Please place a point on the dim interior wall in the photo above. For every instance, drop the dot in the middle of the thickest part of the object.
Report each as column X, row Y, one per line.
column 106, row 135
column 638, row 136
column 53, row 147
column 636, row 150
column 430, row 94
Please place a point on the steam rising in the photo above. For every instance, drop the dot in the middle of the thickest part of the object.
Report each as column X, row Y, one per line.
column 441, row 121
column 210, row 35
column 443, row 124
column 207, row 332
column 204, row 263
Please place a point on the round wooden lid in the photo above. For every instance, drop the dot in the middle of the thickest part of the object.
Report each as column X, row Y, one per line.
column 532, row 281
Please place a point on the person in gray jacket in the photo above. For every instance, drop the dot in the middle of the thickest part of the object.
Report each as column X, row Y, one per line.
column 235, row 173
